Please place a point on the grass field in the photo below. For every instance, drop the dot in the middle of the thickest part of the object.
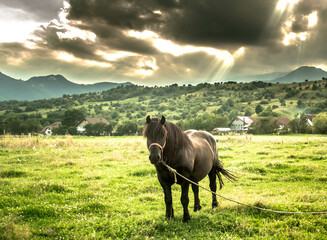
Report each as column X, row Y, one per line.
column 106, row 188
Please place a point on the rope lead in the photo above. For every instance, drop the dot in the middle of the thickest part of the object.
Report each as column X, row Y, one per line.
column 247, row 205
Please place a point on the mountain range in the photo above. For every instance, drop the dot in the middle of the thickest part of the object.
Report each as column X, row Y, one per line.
column 298, row 75
column 301, row 74
column 45, row 87
column 52, row 86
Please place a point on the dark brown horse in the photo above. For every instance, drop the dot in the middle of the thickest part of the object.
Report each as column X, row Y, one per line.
column 192, row 153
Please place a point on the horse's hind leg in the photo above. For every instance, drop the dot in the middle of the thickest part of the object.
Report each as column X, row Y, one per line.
column 213, row 186
column 197, row 205
column 185, row 201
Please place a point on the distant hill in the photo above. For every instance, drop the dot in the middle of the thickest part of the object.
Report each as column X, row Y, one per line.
column 301, row 74
column 260, row 77
column 45, row 87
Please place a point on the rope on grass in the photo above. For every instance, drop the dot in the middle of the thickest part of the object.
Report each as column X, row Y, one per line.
column 244, row 204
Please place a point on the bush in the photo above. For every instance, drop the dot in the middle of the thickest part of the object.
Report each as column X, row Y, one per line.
column 267, row 125
column 299, row 124
column 320, row 123
column 258, row 109
column 72, row 117
column 268, row 112
column 204, row 122
column 127, row 128
column 98, row 129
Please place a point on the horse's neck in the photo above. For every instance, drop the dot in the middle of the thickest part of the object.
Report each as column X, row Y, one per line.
column 173, row 145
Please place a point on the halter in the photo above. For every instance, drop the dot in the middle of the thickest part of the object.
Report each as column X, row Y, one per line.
column 158, row 145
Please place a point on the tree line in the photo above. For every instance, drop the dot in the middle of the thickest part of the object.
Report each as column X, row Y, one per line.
column 17, row 125
column 202, row 106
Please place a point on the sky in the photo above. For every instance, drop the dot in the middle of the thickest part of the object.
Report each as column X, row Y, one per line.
column 160, row 42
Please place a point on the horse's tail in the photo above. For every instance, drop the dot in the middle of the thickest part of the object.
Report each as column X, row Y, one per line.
column 220, row 170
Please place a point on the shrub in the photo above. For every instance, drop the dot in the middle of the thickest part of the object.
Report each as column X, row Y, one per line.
column 320, row 123
column 98, row 129
column 267, row 125
column 299, row 124
column 127, row 128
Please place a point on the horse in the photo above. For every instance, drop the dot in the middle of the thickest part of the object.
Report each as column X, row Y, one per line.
column 192, row 153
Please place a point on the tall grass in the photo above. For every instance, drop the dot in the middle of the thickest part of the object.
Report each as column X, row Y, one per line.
column 105, row 188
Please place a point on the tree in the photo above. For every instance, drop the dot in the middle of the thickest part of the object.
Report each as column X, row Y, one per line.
column 204, row 122
column 299, row 124
column 258, row 109
column 98, row 129
column 31, row 125
column 266, row 125
column 248, row 111
column 62, row 130
column 320, row 123
column 13, row 125
column 127, row 128
column 282, row 102
column 72, row 117
column 300, row 104
column 268, row 112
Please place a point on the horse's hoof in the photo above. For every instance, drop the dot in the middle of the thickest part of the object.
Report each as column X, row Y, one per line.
column 170, row 214
column 214, row 205
column 197, row 208
column 186, row 219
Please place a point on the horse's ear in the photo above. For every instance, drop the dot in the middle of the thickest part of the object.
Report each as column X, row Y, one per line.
column 163, row 120
column 148, row 119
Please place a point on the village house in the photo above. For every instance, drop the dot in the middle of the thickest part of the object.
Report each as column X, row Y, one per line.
column 85, row 121
column 47, row 130
column 222, row 131
column 310, row 118
column 242, row 123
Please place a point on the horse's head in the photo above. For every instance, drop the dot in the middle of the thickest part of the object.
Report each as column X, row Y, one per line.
column 156, row 135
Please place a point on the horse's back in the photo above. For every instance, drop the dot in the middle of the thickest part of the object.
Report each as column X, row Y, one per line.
column 204, row 146
column 203, row 135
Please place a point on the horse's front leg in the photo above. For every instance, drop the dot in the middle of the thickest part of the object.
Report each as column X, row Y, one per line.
column 185, row 201
column 168, row 201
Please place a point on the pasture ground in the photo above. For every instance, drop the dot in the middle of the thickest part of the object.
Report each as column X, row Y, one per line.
column 106, row 188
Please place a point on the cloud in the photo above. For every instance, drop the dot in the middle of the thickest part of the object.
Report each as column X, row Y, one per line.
column 206, row 23
column 36, row 9
column 163, row 42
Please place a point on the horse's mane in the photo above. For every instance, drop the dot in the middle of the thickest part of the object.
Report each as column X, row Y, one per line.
column 176, row 139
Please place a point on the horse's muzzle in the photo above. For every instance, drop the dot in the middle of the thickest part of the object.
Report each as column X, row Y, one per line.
column 154, row 158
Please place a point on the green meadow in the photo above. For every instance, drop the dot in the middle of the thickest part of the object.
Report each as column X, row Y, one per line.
column 106, row 188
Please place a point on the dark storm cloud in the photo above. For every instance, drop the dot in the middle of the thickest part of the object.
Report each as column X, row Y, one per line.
column 40, row 10
column 228, row 25
column 108, row 38
column 207, row 22
column 115, row 39
column 76, row 46
column 119, row 13
column 220, row 23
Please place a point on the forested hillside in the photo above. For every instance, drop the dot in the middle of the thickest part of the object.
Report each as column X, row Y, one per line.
column 201, row 106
